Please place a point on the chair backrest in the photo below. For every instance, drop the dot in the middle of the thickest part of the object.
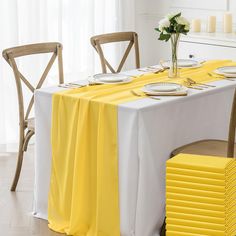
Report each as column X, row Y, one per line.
column 232, row 126
column 132, row 37
column 11, row 53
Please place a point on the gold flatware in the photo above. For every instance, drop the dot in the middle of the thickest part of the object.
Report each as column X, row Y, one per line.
column 189, row 85
column 219, row 76
column 194, row 84
column 135, row 93
column 162, row 65
column 71, row 86
column 155, row 70
column 202, row 84
column 158, row 70
column 162, row 70
column 215, row 75
column 152, row 71
column 93, row 83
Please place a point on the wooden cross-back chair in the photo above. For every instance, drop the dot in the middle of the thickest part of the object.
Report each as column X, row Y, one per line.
column 131, row 37
column 26, row 123
column 211, row 147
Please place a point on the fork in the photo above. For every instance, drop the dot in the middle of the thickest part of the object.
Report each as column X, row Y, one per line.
column 158, row 70
column 202, row 84
column 189, row 85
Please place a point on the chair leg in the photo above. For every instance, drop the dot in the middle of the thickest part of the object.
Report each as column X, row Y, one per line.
column 19, row 164
column 163, row 229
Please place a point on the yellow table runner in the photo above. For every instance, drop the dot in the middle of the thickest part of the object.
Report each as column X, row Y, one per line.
column 84, row 196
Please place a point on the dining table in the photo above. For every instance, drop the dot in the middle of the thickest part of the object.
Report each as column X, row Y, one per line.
column 148, row 130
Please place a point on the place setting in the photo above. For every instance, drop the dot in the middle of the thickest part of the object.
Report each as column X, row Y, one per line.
column 153, row 69
column 155, row 90
column 99, row 79
column 109, row 78
column 183, row 63
column 164, row 89
column 226, row 72
column 166, row 64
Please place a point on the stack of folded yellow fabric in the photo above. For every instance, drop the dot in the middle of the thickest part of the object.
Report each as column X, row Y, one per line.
column 200, row 196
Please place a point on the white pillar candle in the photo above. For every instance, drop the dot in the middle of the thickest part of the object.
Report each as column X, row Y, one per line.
column 211, row 24
column 228, row 21
column 196, row 25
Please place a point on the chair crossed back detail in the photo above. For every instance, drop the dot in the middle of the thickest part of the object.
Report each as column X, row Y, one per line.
column 11, row 53
column 132, row 37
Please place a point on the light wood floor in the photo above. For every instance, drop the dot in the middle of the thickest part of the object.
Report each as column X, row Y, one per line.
column 16, row 207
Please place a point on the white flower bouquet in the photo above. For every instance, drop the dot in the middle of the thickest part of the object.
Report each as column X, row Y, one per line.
column 170, row 28
column 172, row 24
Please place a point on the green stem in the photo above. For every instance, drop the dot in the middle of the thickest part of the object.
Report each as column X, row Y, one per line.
column 174, row 63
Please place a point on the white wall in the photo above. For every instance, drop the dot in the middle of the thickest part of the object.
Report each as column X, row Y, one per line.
column 149, row 12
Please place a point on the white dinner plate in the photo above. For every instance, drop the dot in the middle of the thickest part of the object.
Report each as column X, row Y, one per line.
column 184, row 63
column 162, row 87
column 110, row 78
column 227, row 71
column 148, row 89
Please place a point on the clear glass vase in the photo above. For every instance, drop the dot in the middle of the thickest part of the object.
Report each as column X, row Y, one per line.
column 173, row 70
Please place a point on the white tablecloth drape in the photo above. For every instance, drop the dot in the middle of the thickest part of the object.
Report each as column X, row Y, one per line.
column 148, row 131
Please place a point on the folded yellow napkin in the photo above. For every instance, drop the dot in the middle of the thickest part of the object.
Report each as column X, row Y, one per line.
column 201, row 195
column 202, row 163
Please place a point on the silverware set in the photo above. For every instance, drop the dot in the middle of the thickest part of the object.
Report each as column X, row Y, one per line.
column 154, row 69
column 76, row 85
column 190, row 83
column 71, row 86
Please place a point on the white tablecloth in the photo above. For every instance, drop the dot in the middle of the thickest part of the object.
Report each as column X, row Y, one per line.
column 148, row 131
